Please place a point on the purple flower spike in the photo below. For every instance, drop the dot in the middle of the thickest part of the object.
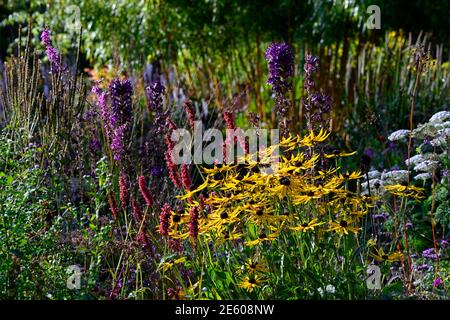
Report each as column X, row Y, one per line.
column 311, row 64
column 121, row 104
column 51, row 52
column 45, row 38
column 155, row 94
column 117, row 142
column 281, row 66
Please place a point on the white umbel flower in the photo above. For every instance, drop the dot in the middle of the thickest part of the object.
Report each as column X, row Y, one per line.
column 439, row 141
column 374, row 174
column 415, row 159
column 398, row 135
column 426, row 166
column 395, row 176
column 376, row 187
column 423, row 176
column 440, row 116
column 440, row 126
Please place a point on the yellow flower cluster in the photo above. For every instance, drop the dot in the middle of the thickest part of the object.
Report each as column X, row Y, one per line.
column 256, row 201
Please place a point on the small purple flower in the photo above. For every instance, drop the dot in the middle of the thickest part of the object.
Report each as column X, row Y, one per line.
column 430, row 254
column 408, row 225
column 444, row 243
column 157, row 171
column 383, row 216
column 392, row 145
column 316, row 117
column 94, row 145
column 369, row 152
column 325, row 103
column 422, row 267
column 95, row 89
column 438, row 282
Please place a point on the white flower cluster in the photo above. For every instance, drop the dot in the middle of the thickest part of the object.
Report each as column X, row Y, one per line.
column 434, row 133
column 398, row 135
column 440, row 116
column 437, row 129
column 378, row 180
column 395, row 176
column 426, row 166
column 423, row 176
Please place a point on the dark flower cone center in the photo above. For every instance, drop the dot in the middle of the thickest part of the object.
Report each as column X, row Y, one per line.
column 252, row 281
column 343, row 223
column 176, row 218
column 385, row 257
column 224, row 215
column 262, row 236
column 304, row 225
column 285, row 181
column 259, row 212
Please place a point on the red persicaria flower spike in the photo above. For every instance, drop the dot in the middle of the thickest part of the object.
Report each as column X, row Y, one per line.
column 145, row 191
column 164, row 218
column 124, row 192
column 229, row 119
column 142, row 238
column 137, row 212
column 193, row 222
column 186, row 177
column 113, row 204
column 201, row 201
column 189, row 108
column 171, row 124
column 169, row 144
column 172, row 168
column 224, row 151
column 176, row 245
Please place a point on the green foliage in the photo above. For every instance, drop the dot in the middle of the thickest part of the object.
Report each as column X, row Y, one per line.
column 33, row 260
